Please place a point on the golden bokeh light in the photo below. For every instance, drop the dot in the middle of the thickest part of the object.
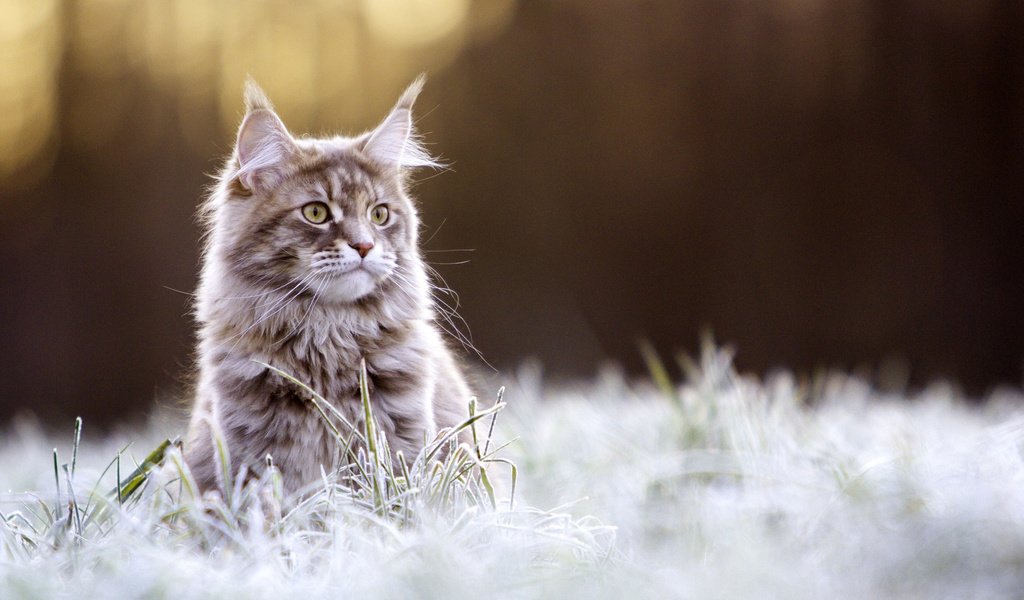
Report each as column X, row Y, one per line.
column 414, row 22
column 488, row 19
column 97, row 37
column 29, row 49
column 333, row 62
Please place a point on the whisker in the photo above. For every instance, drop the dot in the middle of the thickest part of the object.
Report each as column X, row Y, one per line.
column 319, row 288
column 257, row 295
column 446, row 312
column 245, row 296
column 277, row 306
column 435, row 251
column 294, row 279
column 447, row 288
column 443, row 221
column 440, row 172
column 180, row 291
column 443, row 312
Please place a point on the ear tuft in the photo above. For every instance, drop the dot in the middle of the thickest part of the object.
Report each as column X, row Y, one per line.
column 394, row 142
column 255, row 97
column 412, row 92
column 264, row 144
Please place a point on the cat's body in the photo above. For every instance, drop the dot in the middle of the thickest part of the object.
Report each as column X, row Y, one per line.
column 312, row 265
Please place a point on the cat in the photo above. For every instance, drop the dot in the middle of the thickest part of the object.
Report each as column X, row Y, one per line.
column 311, row 264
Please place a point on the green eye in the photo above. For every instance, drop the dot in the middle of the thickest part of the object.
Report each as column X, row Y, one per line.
column 316, row 212
column 379, row 214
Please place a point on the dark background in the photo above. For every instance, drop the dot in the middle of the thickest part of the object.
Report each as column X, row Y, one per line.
column 822, row 184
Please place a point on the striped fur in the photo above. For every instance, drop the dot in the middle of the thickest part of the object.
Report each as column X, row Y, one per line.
column 278, row 289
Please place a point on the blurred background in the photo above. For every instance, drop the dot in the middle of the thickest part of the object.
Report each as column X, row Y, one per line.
column 822, row 184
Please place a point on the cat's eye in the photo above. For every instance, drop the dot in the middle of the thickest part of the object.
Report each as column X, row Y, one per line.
column 316, row 212
column 379, row 214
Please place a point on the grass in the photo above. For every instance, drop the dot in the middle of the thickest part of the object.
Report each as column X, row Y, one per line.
column 719, row 486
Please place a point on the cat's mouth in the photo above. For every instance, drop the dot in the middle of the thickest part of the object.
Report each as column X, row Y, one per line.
column 357, row 268
column 348, row 284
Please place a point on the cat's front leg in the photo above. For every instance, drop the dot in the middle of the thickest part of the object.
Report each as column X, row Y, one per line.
column 405, row 420
column 199, row 454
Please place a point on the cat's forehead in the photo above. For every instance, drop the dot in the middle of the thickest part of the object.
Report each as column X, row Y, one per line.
column 341, row 175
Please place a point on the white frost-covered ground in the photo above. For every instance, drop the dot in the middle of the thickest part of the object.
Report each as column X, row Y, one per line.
column 726, row 487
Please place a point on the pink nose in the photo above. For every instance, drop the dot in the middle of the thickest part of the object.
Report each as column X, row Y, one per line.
column 363, row 248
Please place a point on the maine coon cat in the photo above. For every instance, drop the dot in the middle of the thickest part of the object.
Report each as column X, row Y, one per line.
column 311, row 264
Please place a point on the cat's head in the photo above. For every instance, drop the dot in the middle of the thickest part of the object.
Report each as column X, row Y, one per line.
column 326, row 216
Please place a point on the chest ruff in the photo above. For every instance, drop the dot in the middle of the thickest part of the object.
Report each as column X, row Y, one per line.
column 261, row 412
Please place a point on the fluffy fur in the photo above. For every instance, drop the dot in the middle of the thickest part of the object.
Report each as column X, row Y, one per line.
column 314, row 299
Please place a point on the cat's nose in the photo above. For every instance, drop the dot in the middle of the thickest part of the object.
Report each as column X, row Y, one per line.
column 363, row 248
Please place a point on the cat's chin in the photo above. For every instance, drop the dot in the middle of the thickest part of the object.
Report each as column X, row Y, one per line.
column 348, row 288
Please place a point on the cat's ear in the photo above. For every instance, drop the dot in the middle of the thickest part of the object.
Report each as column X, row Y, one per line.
column 394, row 143
column 264, row 145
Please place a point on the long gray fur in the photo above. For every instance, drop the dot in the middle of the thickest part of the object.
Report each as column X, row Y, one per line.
column 276, row 288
